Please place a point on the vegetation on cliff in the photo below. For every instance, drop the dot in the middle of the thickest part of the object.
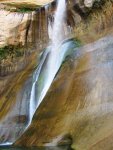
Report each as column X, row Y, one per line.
column 10, row 51
column 25, row 9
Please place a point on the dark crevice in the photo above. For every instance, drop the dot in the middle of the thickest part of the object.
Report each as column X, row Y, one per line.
column 81, row 11
column 27, row 29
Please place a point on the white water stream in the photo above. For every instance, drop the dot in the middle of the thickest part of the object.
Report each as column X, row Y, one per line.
column 53, row 62
column 31, row 95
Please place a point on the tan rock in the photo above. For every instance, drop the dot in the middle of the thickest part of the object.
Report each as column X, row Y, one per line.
column 88, row 3
column 21, row 28
column 31, row 3
column 13, row 28
column 78, row 108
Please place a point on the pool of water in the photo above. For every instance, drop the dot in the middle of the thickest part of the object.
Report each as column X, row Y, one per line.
column 36, row 148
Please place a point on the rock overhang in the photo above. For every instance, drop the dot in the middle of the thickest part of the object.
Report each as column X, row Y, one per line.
column 25, row 3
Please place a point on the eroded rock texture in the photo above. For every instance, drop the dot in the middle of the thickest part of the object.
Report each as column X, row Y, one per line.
column 20, row 35
column 78, row 107
column 25, row 3
column 22, row 28
column 77, row 110
column 14, row 27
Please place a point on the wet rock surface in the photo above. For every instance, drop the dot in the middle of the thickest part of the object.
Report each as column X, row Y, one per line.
column 79, row 102
column 78, row 109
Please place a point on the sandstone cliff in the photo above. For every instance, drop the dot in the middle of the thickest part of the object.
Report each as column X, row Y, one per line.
column 26, row 3
column 20, row 35
column 77, row 110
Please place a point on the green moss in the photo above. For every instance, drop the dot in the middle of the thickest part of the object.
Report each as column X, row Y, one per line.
column 10, row 51
column 20, row 9
column 25, row 9
column 78, row 42
column 2, row 53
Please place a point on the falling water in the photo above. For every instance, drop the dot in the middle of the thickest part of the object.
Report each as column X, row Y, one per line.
column 58, row 33
column 32, row 94
column 53, row 62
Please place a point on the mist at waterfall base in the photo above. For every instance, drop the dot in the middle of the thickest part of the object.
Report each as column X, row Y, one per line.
column 36, row 87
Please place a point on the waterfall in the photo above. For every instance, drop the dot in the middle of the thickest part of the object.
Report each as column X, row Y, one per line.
column 53, row 63
column 36, row 86
column 58, row 33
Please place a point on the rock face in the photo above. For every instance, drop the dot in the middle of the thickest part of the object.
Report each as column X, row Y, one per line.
column 77, row 110
column 78, row 107
column 89, row 3
column 20, row 35
column 30, row 29
column 92, row 23
column 20, row 28
column 25, row 3
column 13, row 27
